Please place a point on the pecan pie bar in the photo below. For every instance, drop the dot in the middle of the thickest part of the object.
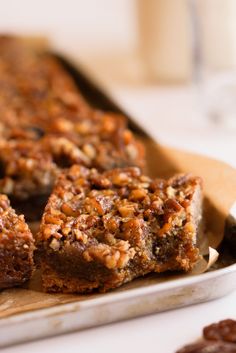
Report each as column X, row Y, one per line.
column 100, row 230
column 35, row 89
column 16, row 247
column 46, row 125
column 28, row 168
column 38, row 97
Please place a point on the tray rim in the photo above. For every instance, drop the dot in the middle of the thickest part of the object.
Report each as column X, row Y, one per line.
column 111, row 297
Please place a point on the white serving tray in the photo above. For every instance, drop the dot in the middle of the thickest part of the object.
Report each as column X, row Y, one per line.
column 116, row 306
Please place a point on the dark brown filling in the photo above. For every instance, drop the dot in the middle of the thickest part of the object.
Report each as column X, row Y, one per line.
column 32, row 208
column 17, row 267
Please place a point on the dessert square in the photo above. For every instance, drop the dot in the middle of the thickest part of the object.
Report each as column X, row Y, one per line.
column 100, row 230
column 16, row 247
column 46, row 125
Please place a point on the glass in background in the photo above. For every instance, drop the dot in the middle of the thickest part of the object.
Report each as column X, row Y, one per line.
column 214, row 43
column 193, row 41
column 164, row 33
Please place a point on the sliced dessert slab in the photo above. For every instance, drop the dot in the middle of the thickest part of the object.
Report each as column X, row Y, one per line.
column 16, row 247
column 39, row 97
column 28, row 168
column 100, row 230
column 40, row 103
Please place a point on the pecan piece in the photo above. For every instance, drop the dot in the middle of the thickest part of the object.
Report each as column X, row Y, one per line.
column 224, row 330
column 209, row 347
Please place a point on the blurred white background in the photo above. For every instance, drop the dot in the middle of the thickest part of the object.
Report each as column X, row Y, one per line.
column 89, row 24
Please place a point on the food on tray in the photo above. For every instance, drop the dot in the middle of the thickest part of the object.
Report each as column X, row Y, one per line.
column 100, row 230
column 102, row 226
column 35, row 90
column 16, row 247
column 46, row 125
column 218, row 338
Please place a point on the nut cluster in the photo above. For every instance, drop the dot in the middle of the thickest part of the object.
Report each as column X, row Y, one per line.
column 112, row 215
column 12, row 224
column 219, row 337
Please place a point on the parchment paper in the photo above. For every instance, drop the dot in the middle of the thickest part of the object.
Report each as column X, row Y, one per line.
column 220, row 194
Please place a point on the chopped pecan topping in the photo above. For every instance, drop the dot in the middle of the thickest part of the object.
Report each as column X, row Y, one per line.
column 46, row 125
column 120, row 221
column 16, row 246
